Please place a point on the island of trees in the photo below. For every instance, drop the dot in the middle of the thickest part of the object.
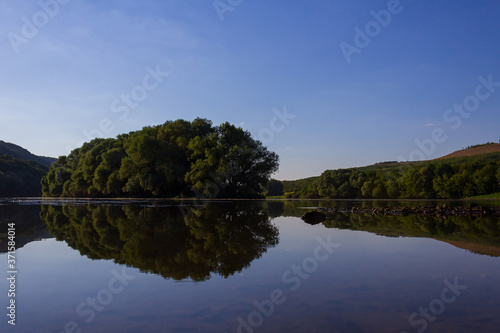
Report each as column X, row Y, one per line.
column 177, row 159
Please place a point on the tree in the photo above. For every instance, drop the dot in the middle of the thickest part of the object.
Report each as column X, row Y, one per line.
column 106, row 176
column 229, row 163
column 275, row 188
column 418, row 182
column 442, row 182
column 379, row 192
column 485, row 179
column 367, row 189
column 392, row 185
column 498, row 173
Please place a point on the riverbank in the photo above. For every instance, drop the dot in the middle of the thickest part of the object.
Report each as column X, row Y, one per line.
column 493, row 196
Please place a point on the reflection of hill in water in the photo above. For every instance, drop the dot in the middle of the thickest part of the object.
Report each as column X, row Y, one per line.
column 29, row 227
column 220, row 238
column 478, row 235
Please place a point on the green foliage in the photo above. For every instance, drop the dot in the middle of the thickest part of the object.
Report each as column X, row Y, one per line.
column 495, row 196
column 450, row 178
column 498, row 174
column 20, row 178
column 306, row 187
column 275, row 188
column 178, row 158
column 229, row 163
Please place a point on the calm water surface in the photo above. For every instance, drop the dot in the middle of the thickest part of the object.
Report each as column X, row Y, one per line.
column 247, row 266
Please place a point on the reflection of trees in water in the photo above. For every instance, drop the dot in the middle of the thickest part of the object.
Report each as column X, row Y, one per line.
column 28, row 225
column 222, row 239
column 479, row 230
column 275, row 208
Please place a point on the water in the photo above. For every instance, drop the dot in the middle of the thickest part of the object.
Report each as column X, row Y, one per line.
column 247, row 266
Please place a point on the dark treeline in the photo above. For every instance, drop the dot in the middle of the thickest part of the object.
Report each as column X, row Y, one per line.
column 178, row 158
column 20, row 178
column 451, row 178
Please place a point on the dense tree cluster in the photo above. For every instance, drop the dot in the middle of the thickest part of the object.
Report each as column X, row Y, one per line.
column 275, row 188
column 178, row 158
column 460, row 178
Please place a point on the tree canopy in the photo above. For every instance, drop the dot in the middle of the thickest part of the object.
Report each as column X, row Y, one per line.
column 446, row 179
column 178, row 158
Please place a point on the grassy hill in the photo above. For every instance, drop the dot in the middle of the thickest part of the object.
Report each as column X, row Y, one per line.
column 481, row 149
column 468, row 172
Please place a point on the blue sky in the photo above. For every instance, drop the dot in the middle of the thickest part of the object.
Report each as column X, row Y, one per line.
column 63, row 80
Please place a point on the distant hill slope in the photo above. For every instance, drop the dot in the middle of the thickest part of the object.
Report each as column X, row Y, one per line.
column 473, row 151
column 20, row 178
column 20, row 153
column 464, row 173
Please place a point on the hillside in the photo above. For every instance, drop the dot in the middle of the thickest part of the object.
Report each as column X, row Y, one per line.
column 20, row 153
column 465, row 173
column 474, row 151
column 20, row 178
